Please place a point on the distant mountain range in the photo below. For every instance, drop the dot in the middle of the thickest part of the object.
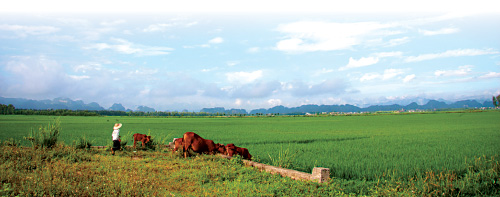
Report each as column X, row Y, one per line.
column 65, row 103
column 431, row 104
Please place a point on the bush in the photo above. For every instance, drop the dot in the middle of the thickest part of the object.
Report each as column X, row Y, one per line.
column 82, row 143
column 45, row 137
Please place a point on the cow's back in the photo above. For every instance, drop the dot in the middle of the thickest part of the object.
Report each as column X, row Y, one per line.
column 244, row 153
column 211, row 147
column 195, row 142
column 139, row 137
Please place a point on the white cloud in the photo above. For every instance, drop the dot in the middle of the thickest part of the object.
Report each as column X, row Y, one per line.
column 490, row 75
column 143, row 72
column 278, row 7
column 364, row 61
column 438, row 32
column 35, row 75
column 308, row 36
column 274, row 102
column 216, row 40
column 388, row 74
column 253, row 50
column 388, row 54
column 451, row 53
column 259, row 89
column 369, row 76
column 322, row 72
column 372, row 59
column 86, row 67
column 23, row 31
column 157, row 27
column 330, row 86
column 397, row 41
column 126, row 47
column 76, row 77
column 161, row 27
column 391, row 73
column 237, row 102
column 243, row 77
column 113, row 23
column 462, row 71
column 232, row 63
column 409, row 78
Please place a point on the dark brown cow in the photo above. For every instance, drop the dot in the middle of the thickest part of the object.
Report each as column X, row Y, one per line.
column 142, row 138
column 199, row 145
column 231, row 150
column 244, row 153
column 221, row 148
column 178, row 143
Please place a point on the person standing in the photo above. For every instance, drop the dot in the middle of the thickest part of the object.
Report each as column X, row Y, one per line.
column 116, row 138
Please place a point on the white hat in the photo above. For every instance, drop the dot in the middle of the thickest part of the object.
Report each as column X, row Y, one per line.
column 117, row 125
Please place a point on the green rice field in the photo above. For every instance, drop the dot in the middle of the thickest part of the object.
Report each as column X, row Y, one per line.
column 353, row 147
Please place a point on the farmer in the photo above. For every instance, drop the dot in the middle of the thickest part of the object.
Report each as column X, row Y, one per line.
column 116, row 138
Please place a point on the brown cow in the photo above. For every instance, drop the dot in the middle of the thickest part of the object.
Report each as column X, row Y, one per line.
column 178, row 143
column 142, row 138
column 231, row 150
column 199, row 145
column 221, row 148
column 244, row 153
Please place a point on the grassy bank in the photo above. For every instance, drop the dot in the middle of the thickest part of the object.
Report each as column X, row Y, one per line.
column 66, row 171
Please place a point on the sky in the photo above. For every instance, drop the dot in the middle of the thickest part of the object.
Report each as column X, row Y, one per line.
column 191, row 55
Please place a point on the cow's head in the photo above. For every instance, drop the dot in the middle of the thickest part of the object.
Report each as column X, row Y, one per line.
column 230, row 149
column 221, row 148
column 148, row 139
column 178, row 143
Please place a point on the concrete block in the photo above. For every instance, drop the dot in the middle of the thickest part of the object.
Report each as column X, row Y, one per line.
column 321, row 174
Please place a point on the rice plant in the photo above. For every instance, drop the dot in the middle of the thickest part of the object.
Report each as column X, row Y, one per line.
column 285, row 158
column 45, row 137
column 83, row 142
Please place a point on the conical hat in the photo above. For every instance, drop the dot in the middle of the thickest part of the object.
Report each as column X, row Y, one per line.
column 117, row 125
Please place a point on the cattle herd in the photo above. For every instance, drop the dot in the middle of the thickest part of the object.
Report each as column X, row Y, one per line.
column 192, row 141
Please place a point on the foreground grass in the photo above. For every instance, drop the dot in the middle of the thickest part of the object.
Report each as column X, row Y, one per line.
column 363, row 147
column 66, row 171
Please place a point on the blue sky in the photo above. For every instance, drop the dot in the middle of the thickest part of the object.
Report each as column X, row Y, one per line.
column 180, row 56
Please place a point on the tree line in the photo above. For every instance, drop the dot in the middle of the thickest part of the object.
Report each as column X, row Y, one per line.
column 7, row 109
column 11, row 110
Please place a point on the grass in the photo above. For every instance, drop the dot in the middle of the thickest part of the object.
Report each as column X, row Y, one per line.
column 133, row 174
column 66, row 171
column 353, row 147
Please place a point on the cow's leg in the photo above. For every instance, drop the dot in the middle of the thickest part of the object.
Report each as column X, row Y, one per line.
column 186, row 153
column 135, row 143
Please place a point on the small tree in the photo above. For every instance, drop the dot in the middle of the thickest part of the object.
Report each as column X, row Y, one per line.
column 496, row 101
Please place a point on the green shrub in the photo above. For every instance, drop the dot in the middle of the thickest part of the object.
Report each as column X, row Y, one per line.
column 45, row 137
column 82, row 143
column 285, row 158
